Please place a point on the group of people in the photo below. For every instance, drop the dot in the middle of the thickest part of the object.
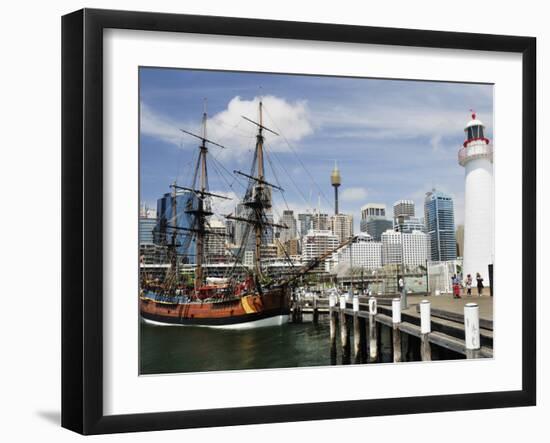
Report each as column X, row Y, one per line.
column 468, row 284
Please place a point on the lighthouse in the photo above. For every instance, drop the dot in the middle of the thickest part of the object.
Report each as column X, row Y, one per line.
column 476, row 156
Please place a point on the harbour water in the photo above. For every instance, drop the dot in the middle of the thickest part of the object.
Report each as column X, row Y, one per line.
column 166, row 349
column 176, row 349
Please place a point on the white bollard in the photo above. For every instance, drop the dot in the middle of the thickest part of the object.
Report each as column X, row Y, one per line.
column 396, row 333
column 425, row 329
column 373, row 332
column 425, row 313
column 372, row 306
column 342, row 301
column 396, row 310
column 355, row 303
column 471, row 329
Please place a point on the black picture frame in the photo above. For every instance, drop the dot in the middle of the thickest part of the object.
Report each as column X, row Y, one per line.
column 82, row 215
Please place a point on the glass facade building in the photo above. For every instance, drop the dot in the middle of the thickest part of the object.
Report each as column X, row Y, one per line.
column 146, row 230
column 440, row 225
column 375, row 227
column 408, row 225
column 163, row 233
column 305, row 223
column 373, row 220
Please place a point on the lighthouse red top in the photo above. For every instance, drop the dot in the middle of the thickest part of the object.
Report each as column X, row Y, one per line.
column 475, row 130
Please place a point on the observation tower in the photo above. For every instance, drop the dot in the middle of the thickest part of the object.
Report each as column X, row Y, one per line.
column 335, row 181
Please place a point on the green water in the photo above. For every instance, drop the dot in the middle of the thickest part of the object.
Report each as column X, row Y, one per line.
column 168, row 349
column 171, row 349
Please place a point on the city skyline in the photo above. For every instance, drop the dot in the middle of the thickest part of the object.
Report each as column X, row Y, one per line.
column 408, row 134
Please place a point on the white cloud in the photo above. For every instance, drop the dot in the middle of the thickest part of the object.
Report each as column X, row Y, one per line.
column 353, row 194
column 290, row 119
column 435, row 142
column 160, row 127
column 221, row 206
column 396, row 122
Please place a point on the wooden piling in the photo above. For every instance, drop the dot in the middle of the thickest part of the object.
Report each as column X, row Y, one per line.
column 425, row 330
column 356, row 331
column 299, row 314
column 363, row 334
column 373, row 331
column 315, row 309
column 333, row 314
column 396, row 333
column 344, row 331
column 471, row 330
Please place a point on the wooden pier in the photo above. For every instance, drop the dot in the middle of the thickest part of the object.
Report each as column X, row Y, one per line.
column 464, row 327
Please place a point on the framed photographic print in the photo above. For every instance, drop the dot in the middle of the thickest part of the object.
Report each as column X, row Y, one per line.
column 270, row 221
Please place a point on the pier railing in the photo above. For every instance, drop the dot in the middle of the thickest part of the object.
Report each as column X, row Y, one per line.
column 362, row 319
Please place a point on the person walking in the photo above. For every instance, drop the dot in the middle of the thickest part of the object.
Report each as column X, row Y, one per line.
column 479, row 279
column 469, row 285
column 456, row 287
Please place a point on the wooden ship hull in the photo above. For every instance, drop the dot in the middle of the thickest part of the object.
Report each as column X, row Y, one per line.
column 248, row 311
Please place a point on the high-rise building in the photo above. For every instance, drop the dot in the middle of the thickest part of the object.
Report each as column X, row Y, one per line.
column 373, row 210
column 244, row 232
column 415, row 248
column 167, row 220
column 365, row 253
column 403, row 208
column 315, row 244
column 409, row 249
column 230, row 231
column 476, row 156
column 342, row 226
column 320, row 222
column 404, row 219
column 289, row 248
column 376, row 227
column 289, row 221
column 408, row 225
column 440, row 225
column 215, row 242
column 374, row 221
column 305, row 223
column 146, row 230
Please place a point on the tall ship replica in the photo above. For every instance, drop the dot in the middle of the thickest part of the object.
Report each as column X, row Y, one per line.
column 254, row 300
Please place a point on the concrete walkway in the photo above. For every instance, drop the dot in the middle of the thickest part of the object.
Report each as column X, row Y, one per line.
column 447, row 303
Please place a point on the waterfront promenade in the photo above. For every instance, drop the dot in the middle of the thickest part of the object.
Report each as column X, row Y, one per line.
column 448, row 304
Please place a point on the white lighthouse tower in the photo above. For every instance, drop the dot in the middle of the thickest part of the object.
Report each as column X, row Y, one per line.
column 476, row 156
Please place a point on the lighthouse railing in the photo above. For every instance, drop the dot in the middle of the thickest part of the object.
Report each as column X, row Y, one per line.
column 472, row 152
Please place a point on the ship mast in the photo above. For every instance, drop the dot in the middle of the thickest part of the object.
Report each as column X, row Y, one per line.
column 260, row 197
column 260, row 190
column 202, row 210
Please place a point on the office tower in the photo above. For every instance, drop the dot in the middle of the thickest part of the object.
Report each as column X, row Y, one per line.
column 440, row 225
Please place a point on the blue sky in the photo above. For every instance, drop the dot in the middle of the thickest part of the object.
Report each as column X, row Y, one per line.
column 392, row 139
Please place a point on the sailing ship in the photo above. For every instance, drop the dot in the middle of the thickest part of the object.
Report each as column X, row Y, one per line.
column 234, row 302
